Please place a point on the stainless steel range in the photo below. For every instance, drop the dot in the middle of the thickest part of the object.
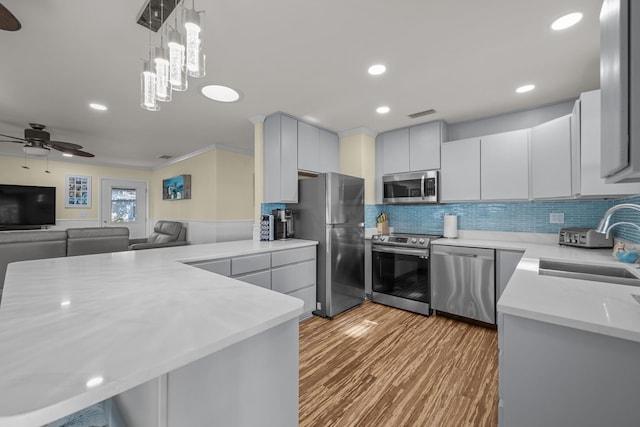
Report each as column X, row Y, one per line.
column 400, row 271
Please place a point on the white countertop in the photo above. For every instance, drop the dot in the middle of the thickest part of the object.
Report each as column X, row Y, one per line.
column 126, row 317
column 592, row 306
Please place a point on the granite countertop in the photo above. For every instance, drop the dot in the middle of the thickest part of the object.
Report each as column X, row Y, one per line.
column 598, row 307
column 119, row 320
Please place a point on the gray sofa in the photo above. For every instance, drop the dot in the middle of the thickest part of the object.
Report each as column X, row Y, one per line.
column 29, row 245
column 97, row 240
column 165, row 234
column 39, row 244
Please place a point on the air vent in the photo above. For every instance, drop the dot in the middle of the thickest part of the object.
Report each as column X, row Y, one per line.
column 165, row 157
column 422, row 113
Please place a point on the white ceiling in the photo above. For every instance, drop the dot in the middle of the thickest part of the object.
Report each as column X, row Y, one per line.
column 464, row 58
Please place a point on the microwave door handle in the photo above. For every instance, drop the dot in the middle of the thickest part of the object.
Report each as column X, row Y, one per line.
column 422, row 187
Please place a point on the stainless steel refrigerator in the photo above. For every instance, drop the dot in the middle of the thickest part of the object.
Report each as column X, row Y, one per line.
column 330, row 210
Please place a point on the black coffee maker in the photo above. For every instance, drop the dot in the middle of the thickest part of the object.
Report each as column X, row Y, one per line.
column 283, row 222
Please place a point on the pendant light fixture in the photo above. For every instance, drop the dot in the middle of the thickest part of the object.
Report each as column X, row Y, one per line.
column 161, row 66
column 194, row 52
column 180, row 55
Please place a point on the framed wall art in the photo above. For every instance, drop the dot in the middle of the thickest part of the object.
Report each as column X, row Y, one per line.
column 176, row 188
column 77, row 191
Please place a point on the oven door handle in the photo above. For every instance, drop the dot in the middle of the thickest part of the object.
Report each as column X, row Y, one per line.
column 401, row 251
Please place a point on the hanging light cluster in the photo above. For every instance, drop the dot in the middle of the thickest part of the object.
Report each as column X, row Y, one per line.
column 180, row 55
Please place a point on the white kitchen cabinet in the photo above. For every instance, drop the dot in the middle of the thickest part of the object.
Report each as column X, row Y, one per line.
column 329, row 152
column 318, row 149
column 551, row 159
column 308, row 147
column 424, row 146
column 504, row 166
column 280, row 159
column 591, row 184
column 395, row 151
column 460, row 170
column 506, row 263
column 552, row 375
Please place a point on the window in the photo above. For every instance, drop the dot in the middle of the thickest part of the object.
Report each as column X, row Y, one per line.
column 123, row 205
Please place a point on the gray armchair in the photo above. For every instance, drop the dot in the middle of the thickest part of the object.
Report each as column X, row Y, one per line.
column 165, row 234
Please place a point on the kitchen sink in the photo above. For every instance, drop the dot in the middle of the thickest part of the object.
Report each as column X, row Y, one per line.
column 596, row 273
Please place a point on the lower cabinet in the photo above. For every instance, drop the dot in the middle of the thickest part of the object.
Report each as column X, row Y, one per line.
column 552, row 375
column 291, row 272
column 506, row 263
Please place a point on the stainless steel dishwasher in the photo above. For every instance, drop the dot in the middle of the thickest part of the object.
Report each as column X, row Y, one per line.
column 463, row 282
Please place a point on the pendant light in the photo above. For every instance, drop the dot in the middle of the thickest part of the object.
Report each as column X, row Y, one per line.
column 148, row 83
column 161, row 66
column 177, row 71
column 148, row 86
column 194, row 53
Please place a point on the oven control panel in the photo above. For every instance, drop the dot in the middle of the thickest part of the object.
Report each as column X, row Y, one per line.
column 408, row 240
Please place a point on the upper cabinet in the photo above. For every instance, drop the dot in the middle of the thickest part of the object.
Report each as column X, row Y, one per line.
column 395, row 151
column 591, row 184
column 619, row 71
column 424, row 146
column 289, row 146
column 280, row 159
column 412, row 149
column 551, row 159
column 460, row 171
column 504, row 166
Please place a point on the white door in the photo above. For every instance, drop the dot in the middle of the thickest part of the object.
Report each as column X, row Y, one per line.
column 124, row 204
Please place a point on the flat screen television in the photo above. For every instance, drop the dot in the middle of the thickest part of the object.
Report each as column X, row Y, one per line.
column 26, row 207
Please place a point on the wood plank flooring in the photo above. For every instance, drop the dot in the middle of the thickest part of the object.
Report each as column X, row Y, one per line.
column 380, row 366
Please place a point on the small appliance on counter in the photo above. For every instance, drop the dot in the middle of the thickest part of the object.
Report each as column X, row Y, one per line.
column 266, row 227
column 283, row 223
column 584, row 238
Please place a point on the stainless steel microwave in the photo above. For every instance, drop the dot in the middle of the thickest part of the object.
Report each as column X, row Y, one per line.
column 410, row 187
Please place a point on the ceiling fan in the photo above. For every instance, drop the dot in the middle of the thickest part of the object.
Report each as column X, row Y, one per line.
column 37, row 142
column 8, row 22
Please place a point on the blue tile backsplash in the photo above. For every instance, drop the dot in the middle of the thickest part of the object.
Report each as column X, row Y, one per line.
column 531, row 217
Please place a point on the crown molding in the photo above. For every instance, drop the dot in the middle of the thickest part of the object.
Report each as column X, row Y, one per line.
column 206, row 149
column 358, row 131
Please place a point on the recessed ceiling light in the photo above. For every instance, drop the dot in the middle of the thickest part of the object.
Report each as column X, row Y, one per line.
column 67, row 155
column 377, row 69
column 220, row 93
column 525, row 88
column 94, row 382
column 383, row 110
column 99, row 107
column 566, row 21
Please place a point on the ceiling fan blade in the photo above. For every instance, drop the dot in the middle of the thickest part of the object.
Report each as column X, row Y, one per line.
column 19, row 140
column 78, row 153
column 11, row 140
column 8, row 22
column 64, row 145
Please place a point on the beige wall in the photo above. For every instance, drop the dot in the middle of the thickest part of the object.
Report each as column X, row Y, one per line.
column 11, row 172
column 221, row 188
column 222, row 185
column 358, row 158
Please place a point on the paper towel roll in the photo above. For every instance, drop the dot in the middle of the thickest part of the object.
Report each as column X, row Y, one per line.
column 450, row 226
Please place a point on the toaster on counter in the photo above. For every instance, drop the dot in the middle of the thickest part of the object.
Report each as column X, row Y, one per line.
column 584, row 238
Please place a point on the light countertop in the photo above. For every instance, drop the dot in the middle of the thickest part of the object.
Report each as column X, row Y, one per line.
column 125, row 317
column 599, row 307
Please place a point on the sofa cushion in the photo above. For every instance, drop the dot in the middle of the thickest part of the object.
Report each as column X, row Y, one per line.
column 29, row 245
column 97, row 240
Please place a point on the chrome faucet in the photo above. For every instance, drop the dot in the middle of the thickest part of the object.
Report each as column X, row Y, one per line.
column 605, row 225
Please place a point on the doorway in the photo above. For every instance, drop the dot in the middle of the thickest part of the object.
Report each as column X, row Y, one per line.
column 123, row 203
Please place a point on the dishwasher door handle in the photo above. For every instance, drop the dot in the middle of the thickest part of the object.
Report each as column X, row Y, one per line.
column 460, row 254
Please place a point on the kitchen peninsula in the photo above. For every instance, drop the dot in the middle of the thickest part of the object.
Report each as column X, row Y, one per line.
column 168, row 339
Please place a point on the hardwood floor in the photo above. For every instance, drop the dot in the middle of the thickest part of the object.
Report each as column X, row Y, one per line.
column 380, row 366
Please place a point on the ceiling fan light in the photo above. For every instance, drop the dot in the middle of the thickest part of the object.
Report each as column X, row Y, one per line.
column 161, row 66
column 148, row 86
column 35, row 151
